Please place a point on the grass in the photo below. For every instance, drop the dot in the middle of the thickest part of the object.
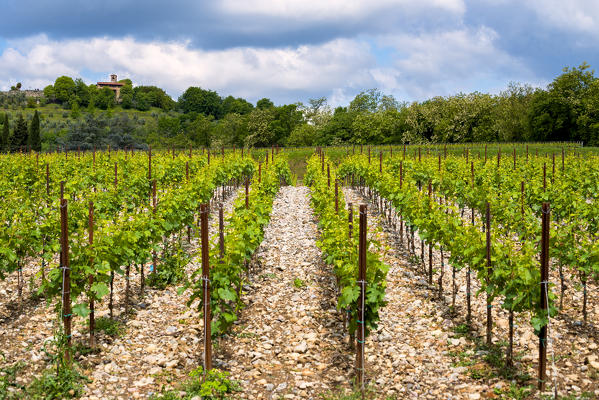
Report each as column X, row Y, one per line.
column 340, row 394
column 8, row 380
column 67, row 383
column 215, row 384
column 110, row 327
column 298, row 283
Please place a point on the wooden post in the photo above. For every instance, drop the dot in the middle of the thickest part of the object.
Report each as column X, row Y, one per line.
column 430, row 246
column 154, row 257
column 489, row 305
column 329, row 175
column 336, row 196
column 361, row 303
column 259, row 172
column 206, row 288
column 381, row 162
column 66, row 278
column 350, row 219
column 47, row 179
column 247, row 193
column 92, row 320
column 546, row 217
column 221, row 231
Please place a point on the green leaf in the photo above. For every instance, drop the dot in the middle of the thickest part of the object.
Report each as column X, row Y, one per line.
column 81, row 310
column 100, row 289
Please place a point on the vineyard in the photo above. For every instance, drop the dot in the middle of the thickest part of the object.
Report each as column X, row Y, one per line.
column 441, row 271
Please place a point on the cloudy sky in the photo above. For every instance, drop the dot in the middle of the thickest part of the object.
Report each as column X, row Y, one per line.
column 293, row 50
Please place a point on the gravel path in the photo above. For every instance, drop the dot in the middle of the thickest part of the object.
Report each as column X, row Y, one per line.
column 288, row 342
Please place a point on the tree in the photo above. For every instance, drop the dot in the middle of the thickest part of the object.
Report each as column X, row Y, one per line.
column 511, row 112
column 230, row 131
column 105, row 98
column 286, row 118
column 82, row 92
column 64, row 88
column 259, row 128
column 338, row 129
column 264, row 104
column 127, row 96
column 207, row 102
column 145, row 97
column 50, row 94
column 367, row 101
column 303, row 135
column 35, row 141
column 199, row 131
column 4, row 139
column 19, row 136
column 238, row 105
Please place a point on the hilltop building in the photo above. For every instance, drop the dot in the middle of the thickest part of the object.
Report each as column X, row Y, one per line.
column 114, row 85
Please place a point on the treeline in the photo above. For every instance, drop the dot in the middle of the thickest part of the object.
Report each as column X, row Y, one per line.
column 22, row 136
column 567, row 110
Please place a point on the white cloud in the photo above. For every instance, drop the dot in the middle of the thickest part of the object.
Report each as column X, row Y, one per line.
column 421, row 66
column 448, row 62
column 573, row 15
column 333, row 9
column 247, row 72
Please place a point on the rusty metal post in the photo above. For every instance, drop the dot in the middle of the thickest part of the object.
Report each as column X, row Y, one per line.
column 381, row 162
column 47, row 179
column 66, row 278
column 488, row 277
column 336, row 196
column 221, row 231
column 206, row 288
column 350, row 219
column 546, row 217
column 361, row 301
column 247, row 193
column 259, row 172
column 329, row 175
column 154, row 256
column 92, row 320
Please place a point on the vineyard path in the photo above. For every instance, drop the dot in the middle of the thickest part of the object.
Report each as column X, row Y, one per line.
column 288, row 342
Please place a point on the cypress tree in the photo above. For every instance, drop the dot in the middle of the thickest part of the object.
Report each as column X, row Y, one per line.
column 5, row 135
column 19, row 135
column 35, row 141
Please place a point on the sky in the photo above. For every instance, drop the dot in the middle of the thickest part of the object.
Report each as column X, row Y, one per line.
column 295, row 50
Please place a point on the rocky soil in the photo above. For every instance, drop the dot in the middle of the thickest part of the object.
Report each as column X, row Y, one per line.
column 425, row 339
column 289, row 341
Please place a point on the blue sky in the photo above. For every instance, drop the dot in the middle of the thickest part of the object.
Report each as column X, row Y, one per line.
column 294, row 50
